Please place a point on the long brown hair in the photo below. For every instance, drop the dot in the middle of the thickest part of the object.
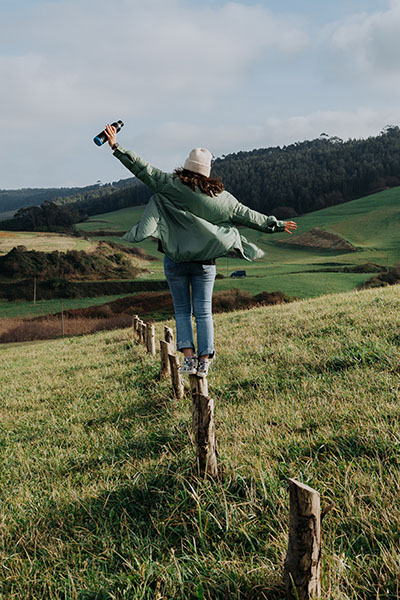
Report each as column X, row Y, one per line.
column 207, row 185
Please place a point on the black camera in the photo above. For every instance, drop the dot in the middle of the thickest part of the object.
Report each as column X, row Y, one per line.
column 101, row 137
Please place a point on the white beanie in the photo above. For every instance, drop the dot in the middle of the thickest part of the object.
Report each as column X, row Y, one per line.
column 199, row 161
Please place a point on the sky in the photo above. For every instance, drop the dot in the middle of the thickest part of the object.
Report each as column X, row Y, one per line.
column 227, row 76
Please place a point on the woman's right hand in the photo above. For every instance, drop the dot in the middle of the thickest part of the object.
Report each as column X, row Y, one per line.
column 111, row 134
column 290, row 225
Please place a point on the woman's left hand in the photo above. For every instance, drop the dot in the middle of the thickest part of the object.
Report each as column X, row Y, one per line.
column 290, row 225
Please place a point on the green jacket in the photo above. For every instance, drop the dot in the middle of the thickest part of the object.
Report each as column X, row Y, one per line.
column 190, row 224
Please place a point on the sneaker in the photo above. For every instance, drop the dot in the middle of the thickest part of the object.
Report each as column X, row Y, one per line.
column 189, row 366
column 203, row 366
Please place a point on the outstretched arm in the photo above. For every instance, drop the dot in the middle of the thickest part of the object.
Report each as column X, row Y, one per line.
column 150, row 175
column 243, row 215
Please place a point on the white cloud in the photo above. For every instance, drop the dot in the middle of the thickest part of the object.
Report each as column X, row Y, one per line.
column 135, row 56
column 71, row 65
column 181, row 74
column 365, row 49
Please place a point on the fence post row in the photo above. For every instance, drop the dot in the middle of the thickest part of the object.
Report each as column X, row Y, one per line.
column 303, row 559
column 202, row 406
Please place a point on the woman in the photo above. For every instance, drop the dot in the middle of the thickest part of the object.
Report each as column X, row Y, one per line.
column 194, row 219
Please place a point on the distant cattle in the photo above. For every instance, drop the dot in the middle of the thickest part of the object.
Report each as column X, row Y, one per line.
column 238, row 274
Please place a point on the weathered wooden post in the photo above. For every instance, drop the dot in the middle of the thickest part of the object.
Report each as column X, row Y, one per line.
column 135, row 320
column 144, row 332
column 166, row 348
column 203, row 427
column 139, row 330
column 165, row 368
column 303, row 559
column 151, row 339
column 168, row 334
column 176, row 377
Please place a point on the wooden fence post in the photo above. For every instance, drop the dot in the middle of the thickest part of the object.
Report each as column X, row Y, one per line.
column 165, row 368
column 144, row 333
column 135, row 320
column 166, row 348
column 168, row 334
column 139, row 324
column 151, row 339
column 303, row 559
column 176, row 377
column 203, row 426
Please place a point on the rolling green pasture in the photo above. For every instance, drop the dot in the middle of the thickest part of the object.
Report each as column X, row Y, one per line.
column 98, row 498
column 371, row 224
column 119, row 220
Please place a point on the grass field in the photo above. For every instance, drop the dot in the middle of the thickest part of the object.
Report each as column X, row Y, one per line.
column 371, row 224
column 43, row 242
column 19, row 308
column 98, row 498
column 119, row 220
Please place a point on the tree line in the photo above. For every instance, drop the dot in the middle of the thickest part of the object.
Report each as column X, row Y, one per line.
column 285, row 181
column 312, row 175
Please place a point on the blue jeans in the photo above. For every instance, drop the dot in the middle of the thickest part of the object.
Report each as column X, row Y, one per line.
column 182, row 277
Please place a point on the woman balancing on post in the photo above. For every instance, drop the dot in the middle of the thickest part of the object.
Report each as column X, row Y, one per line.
column 194, row 219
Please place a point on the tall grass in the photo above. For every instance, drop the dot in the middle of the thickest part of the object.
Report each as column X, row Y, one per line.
column 99, row 499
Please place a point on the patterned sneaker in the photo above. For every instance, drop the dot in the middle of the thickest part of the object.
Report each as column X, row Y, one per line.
column 203, row 366
column 189, row 366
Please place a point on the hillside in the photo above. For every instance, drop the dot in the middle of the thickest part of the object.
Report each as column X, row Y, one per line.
column 370, row 225
column 98, row 496
column 289, row 180
column 12, row 200
column 314, row 174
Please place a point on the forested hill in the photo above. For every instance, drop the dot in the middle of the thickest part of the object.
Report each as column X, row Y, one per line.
column 311, row 175
column 285, row 181
column 91, row 199
column 11, row 200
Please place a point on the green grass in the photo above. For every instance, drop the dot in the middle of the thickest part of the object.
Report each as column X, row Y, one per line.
column 10, row 309
column 43, row 242
column 98, row 497
column 370, row 223
column 118, row 220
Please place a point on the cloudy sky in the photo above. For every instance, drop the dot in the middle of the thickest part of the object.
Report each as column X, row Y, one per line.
column 226, row 75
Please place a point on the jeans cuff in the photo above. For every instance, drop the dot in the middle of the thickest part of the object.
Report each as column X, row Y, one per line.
column 187, row 344
column 211, row 353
